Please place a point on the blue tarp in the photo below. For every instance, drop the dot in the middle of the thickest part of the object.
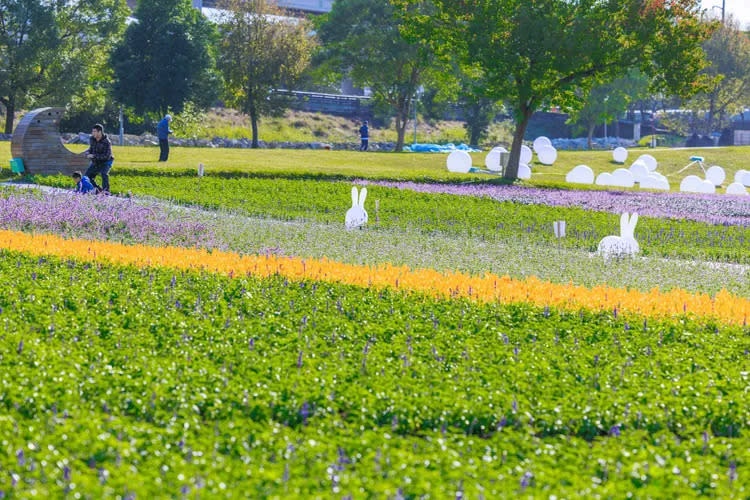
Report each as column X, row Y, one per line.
column 438, row 148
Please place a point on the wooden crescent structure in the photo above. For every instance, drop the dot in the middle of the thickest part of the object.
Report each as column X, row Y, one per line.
column 38, row 143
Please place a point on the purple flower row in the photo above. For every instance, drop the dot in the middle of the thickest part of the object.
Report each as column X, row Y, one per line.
column 104, row 217
column 714, row 209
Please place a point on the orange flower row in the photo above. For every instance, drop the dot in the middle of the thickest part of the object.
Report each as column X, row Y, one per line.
column 724, row 306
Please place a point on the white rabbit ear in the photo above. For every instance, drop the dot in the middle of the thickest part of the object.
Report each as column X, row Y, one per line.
column 362, row 197
column 354, row 196
column 624, row 223
column 633, row 222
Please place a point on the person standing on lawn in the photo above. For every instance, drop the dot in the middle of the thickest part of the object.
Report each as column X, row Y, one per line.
column 364, row 134
column 100, row 154
column 163, row 131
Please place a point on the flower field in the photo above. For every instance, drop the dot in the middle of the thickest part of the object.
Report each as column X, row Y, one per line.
column 225, row 337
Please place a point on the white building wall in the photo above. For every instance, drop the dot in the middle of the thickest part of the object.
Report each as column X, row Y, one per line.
column 312, row 6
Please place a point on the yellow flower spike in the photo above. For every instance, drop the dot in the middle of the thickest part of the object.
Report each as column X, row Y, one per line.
column 724, row 307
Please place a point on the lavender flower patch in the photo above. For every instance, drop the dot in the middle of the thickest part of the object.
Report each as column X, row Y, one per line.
column 714, row 209
column 102, row 217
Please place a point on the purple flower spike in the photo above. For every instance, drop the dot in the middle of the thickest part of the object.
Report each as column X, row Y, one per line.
column 526, row 480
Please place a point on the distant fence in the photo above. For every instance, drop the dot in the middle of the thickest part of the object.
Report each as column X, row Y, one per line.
column 741, row 133
column 341, row 105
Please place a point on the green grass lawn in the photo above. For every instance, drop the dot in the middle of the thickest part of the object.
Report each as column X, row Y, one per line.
column 399, row 166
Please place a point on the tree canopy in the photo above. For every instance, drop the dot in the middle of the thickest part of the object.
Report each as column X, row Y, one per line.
column 536, row 53
column 261, row 52
column 50, row 50
column 166, row 58
column 607, row 101
column 728, row 54
column 362, row 39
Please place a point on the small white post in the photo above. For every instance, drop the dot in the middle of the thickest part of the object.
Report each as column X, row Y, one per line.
column 559, row 227
column 201, row 169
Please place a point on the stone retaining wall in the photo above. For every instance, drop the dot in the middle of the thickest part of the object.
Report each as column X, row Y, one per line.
column 219, row 142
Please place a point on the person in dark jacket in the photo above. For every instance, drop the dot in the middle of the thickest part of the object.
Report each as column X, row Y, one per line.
column 162, row 132
column 100, row 154
column 364, row 134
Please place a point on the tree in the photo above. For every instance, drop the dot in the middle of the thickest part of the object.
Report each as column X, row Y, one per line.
column 540, row 52
column 166, row 59
column 362, row 39
column 465, row 87
column 260, row 53
column 479, row 108
column 606, row 102
column 728, row 52
column 49, row 50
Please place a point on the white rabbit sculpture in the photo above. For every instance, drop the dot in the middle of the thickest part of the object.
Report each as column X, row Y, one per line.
column 624, row 244
column 357, row 215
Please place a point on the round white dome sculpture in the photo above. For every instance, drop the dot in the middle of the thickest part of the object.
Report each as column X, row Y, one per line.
column 654, row 182
column 620, row 155
column 736, row 188
column 707, row 187
column 658, row 175
column 459, row 161
column 524, row 172
column 604, row 179
column 691, row 184
column 650, row 162
column 716, row 175
column 540, row 142
column 492, row 161
column 547, row 155
column 739, row 176
column 745, row 179
column 582, row 174
column 639, row 170
column 499, row 149
column 622, row 177
column 526, row 155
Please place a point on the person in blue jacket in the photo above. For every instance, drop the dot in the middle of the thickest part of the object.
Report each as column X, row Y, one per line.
column 162, row 132
column 83, row 184
column 364, row 134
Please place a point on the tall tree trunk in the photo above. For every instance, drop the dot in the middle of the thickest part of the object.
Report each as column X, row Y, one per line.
column 591, row 136
column 402, row 118
column 511, row 171
column 475, row 126
column 474, row 134
column 10, row 111
column 711, row 112
column 254, row 125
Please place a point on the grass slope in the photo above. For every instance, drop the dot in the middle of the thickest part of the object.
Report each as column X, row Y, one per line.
column 300, row 126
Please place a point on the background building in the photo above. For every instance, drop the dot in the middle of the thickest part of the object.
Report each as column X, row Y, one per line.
column 302, row 6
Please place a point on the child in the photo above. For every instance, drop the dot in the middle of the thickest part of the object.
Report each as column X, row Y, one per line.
column 83, row 184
